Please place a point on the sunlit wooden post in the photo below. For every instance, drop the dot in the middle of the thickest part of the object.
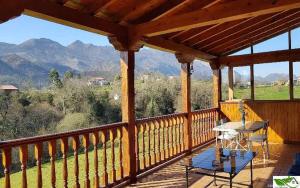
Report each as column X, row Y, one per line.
column 127, row 50
column 291, row 69
column 186, row 61
column 230, row 83
column 217, row 80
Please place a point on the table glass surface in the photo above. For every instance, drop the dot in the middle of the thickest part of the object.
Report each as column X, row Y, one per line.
column 250, row 126
column 228, row 164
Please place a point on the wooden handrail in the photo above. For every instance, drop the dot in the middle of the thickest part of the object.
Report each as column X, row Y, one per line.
column 145, row 120
column 55, row 136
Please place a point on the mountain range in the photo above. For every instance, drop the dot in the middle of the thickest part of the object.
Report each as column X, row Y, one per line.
column 31, row 61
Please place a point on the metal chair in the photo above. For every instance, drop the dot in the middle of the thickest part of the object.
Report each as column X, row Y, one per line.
column 230, row 136
column 261, row 138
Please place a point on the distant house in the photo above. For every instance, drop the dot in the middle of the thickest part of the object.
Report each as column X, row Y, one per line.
column 8, row 88
column 98, row 81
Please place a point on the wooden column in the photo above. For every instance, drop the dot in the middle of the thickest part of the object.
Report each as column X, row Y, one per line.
column 230, row 83
column 217, row 81
column 186, row 61
column 127, row 63
column 291, row 70
column 252, row 78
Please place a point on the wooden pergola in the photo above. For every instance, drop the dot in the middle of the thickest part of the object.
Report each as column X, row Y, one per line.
column 208, row 30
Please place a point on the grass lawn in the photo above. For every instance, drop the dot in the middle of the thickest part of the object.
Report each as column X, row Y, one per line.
column 267, row 93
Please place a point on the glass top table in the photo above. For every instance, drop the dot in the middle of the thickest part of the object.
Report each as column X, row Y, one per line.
column 220, row 160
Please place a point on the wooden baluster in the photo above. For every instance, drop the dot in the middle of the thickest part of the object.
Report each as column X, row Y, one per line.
column 112, row 154
column 167, row 139
column 162, row 152
column 76, row 165
column 95, row 140
column 52, row 154
column 64, row 150
column 23, row 160
column 148, row 144
column 157, row 124
column 181, row 134
column 86, row 144
column 177, row 119
column 6, row 161
column 120, row 136
column 153, row 156
column 172, row 138
column 202, row 127
column 38, row 150
column 143, row 160
column 138, row 143
column 194, row 130
column 196, row 124
column 104, row 160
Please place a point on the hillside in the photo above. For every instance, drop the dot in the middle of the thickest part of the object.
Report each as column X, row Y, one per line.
column 31, row 61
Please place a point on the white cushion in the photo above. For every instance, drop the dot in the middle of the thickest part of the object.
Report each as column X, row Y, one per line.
column 227, row 136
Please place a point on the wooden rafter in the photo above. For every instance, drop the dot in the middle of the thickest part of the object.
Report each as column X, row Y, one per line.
column 257, row 58
column 205, row 36
column 57, row 13
column 142, row 8
column 250, row 26
column 167, row 45
column 265, row 30
column 239, row 9
column 156, row 12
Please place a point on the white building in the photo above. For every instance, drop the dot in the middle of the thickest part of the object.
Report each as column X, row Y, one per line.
column 98, row 81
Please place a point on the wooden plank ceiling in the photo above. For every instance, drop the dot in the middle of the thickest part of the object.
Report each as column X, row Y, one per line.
column 207, row 28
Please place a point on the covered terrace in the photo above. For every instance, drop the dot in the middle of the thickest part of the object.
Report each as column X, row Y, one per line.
column 209, row 30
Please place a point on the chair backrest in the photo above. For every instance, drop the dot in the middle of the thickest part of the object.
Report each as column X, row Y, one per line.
column 265, row 128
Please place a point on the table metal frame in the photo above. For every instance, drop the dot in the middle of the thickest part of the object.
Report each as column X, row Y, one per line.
column 215, row 176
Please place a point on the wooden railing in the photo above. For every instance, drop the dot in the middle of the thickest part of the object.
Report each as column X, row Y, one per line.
column 159, row 139
column 203, row 122
column 103, row 144
column 92, row 157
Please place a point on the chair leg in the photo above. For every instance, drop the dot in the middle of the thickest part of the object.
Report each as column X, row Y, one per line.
column 268, row 151
column 264, row 152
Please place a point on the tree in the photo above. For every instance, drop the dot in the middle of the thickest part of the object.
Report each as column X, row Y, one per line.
column 68, row 75
column 54, row 78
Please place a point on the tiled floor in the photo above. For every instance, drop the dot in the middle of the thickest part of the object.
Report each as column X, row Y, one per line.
column 281, row 157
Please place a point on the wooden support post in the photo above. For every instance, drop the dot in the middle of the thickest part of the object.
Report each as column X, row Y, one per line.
column 127, row 62
column 186, row 61
column 291, row 70
column 217, row 81
column 252, row 78
column 230, row 83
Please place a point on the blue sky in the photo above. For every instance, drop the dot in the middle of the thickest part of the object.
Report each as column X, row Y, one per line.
column 24, row 27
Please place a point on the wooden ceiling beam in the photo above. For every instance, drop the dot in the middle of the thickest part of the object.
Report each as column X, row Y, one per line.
column 195, row 40
column 155, row 12
column 95, row 6
column 258, row 58
column 10, row 9
column 262, row 37
column 192, row 33
column 248, row 26
column 170, row 46
column 219, row 13
column 54, row 12
column 285, row 22
column 143, row 8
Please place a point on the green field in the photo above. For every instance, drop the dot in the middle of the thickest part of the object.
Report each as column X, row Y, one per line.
column 267, row 93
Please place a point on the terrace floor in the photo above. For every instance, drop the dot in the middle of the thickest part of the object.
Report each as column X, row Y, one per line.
column 173, row 175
